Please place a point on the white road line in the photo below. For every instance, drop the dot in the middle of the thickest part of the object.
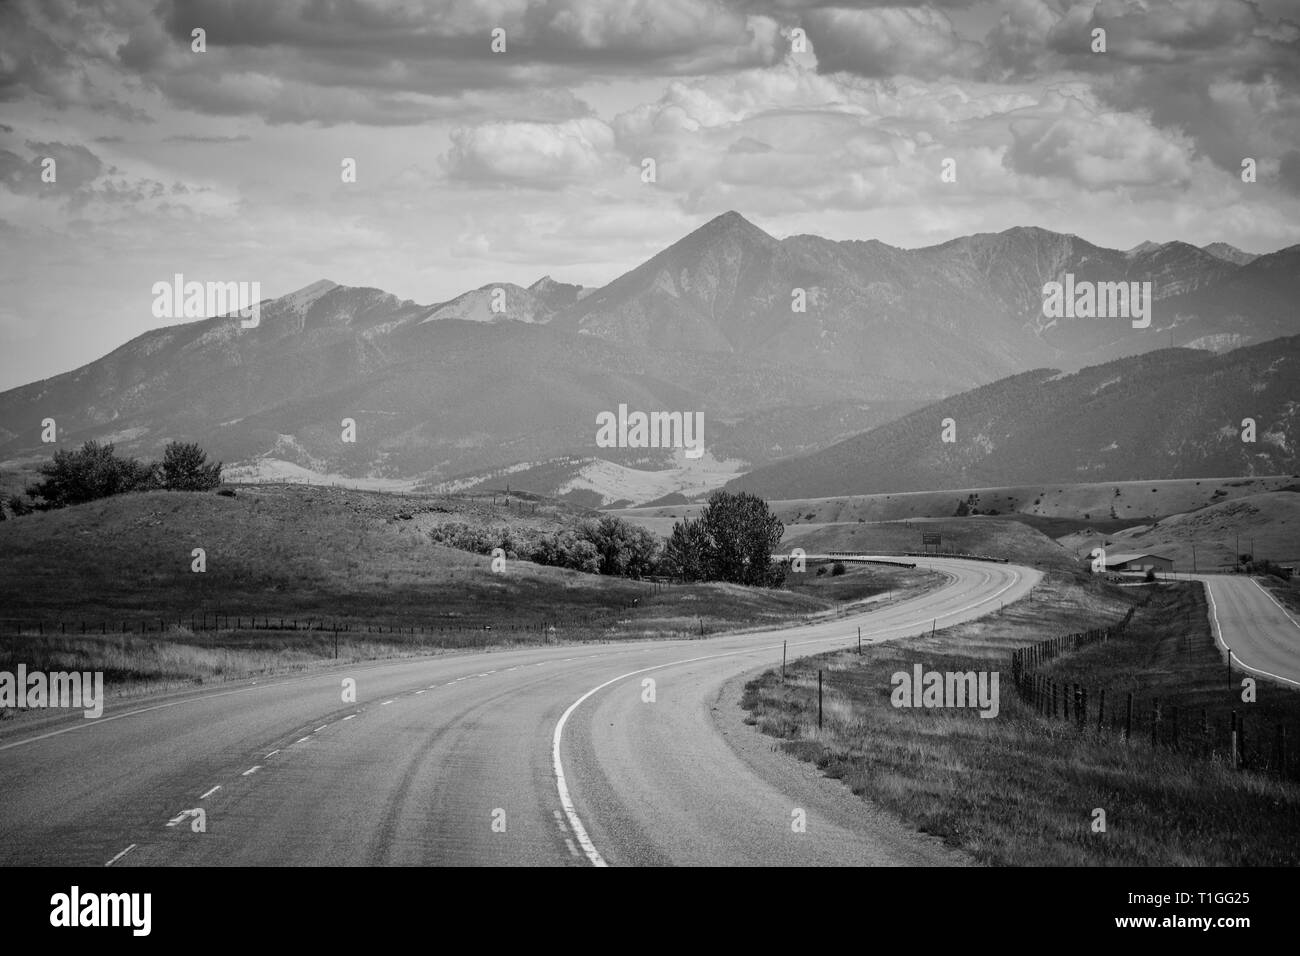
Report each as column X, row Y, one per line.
column 100, row 721
column 302, row 740
column 1275, row 601
column 320, row 728
column 210, row 792
column 349, row 716
column 178, row 818
column 572, row 849
column 385, row 703
column 562, row 787
column 251, row 770
column 120, row 855
column 272, row 753
column 1218, row 638
column 418, row 693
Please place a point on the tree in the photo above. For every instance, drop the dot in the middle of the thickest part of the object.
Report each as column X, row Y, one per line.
column 185, row 468
column 963, row 509
column 92, row 471
column 732, row 540
column 624, row 548
column 684, row 555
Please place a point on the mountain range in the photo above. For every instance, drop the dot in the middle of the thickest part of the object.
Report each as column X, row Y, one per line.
column 1175, row 413
column 507, row 380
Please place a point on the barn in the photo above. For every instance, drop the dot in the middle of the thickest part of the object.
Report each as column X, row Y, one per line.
column 1138, row 562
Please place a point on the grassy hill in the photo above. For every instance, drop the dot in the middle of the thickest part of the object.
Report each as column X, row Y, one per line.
column 1268, row 523
column 997, row 537
column 1056, row 510
column 307, row 555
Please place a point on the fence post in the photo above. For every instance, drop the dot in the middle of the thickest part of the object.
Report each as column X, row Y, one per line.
column 1232, row 753
column 783, row 660
column 1101, row 708
column 819, row 700
column 1241, row 741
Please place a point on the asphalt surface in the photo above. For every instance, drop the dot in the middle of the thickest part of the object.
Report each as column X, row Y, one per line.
column 543, row 756
column 1263, row 635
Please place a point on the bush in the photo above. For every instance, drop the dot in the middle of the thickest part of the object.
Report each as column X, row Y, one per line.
column 226, row 492
column 1151, row 574
column 185, row 468
column 93, row 471
column 837, row 569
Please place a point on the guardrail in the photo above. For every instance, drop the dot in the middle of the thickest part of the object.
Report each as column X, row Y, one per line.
column 923, row 554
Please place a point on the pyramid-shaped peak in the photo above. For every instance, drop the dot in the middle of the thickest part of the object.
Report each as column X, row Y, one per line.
column 730, row 225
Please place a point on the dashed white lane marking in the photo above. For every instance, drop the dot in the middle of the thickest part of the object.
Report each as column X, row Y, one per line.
column 385, row 703
column 418, row 693
column 349, row 716
column 210, row 792
column 120, row 855
column 572, row 849
column 562, row 787
column 178, row 818
column 320, row 728
column 272, row 753
column 302, row 740
column 251, row 770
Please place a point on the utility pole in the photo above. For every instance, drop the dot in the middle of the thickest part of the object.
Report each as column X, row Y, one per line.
column 1193, row 557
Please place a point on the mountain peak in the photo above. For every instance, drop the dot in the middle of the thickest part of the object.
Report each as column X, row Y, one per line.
column 1230, row 253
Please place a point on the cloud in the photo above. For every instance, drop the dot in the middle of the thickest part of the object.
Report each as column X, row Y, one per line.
column 1289, row 172
column 540, row 155
column 918, row 42
column 75, row 167
column 1097, row 149
column 191, row 138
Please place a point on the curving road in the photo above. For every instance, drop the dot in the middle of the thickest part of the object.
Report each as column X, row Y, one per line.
column 542, row 756
column 1263, row 635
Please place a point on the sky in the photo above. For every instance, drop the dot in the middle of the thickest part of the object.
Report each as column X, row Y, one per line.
column 477, row 166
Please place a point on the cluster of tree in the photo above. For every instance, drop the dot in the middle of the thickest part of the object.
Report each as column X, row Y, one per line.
column 605, row 545
column 732, row 540
column 96, row 471
column 1264, row 566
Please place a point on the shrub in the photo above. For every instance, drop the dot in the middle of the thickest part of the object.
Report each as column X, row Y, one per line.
column 92, row 471
column 837, row 569
column 185, row 467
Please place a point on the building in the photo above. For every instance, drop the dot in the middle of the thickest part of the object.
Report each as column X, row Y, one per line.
column 1138, row 562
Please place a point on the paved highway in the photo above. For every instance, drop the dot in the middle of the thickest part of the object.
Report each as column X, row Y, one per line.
column 1264, row 636
column 543, row 756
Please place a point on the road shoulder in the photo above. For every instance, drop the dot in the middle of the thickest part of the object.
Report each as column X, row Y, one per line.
column 822, row 796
